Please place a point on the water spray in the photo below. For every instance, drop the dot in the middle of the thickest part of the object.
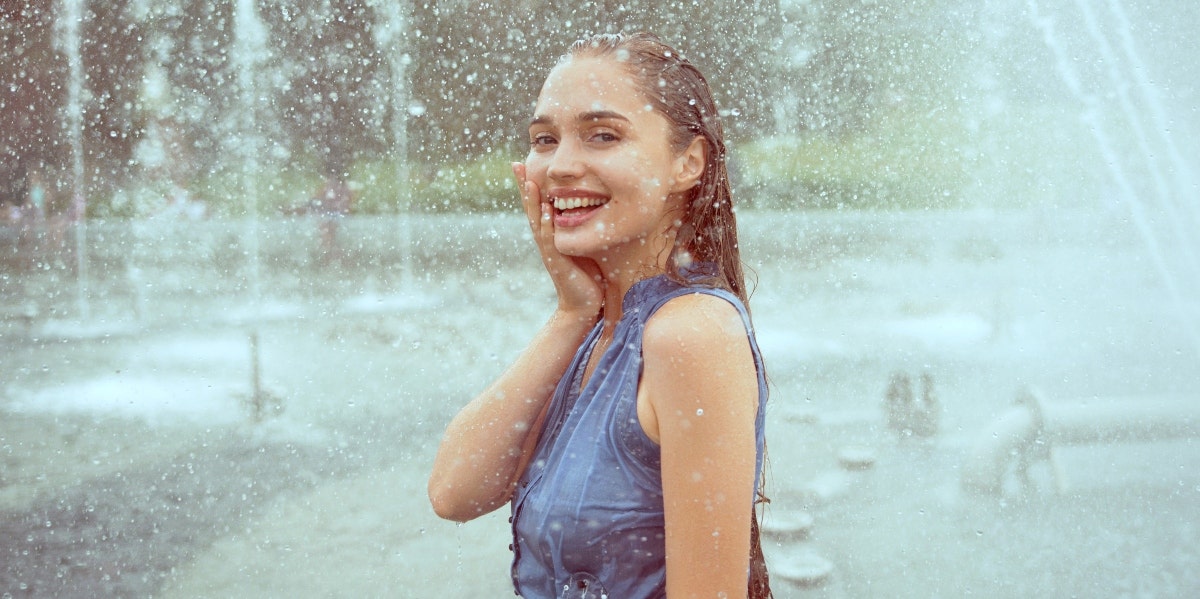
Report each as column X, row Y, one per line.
column 1108, row 149
column 262, row 402
column 72, row 19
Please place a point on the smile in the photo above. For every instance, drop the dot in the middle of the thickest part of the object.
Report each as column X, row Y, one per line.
column 574, row 206
column 561, row 204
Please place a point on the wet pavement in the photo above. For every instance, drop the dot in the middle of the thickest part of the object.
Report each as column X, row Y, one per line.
column 128, row 433
column 122, row 534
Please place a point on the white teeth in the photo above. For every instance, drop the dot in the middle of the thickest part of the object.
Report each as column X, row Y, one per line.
column 571, row 203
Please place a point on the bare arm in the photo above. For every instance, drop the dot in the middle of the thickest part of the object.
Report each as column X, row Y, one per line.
column 701, row 391
column 484, row 449
column 487, row 445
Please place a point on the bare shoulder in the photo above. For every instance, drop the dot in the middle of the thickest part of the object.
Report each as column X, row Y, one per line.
column 693, row 331
column 697, row 359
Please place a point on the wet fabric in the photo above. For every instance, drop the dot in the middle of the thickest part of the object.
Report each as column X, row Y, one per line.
column 588, row 511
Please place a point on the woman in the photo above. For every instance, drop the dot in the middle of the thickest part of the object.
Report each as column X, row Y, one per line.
column 628, row 436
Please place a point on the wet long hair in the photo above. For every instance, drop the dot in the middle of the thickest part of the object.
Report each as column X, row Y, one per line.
column 707, row 229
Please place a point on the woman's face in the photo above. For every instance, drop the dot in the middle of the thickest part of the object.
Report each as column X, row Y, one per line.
column 602, row 156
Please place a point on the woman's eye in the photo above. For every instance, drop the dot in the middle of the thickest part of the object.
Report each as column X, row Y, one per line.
column 604, row 137
column 543, row 139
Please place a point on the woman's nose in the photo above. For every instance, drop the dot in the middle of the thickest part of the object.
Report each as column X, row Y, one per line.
column 567, row 162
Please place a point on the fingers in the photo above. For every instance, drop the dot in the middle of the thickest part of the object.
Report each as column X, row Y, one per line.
column 519, row 174
column 577, row 280
column 530, row 196
column 538, row 213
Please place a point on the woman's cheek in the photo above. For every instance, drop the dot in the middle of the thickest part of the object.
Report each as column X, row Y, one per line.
column 535, row 168
column 652, row 187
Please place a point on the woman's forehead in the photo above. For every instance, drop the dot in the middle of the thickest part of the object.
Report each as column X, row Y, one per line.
column 588, row 84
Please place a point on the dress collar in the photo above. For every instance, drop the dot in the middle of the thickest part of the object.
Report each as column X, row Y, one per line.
column 648, row 289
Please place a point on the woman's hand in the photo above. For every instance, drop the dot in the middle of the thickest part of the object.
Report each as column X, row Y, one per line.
column 490, row 441
column 577, row 280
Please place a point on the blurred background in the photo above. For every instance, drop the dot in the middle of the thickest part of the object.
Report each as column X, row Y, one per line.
column 255, row 253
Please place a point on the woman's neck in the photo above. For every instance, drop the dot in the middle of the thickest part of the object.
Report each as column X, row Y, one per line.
column 621, row 270
column 618, row 282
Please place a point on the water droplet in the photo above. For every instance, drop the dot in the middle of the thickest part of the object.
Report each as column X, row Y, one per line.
column 700, row 412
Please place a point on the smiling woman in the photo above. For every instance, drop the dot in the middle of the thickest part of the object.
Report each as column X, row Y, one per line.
column 629, row 435
column 594, row 143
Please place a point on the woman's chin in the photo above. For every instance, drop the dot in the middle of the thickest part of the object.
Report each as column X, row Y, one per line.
column 570, row 245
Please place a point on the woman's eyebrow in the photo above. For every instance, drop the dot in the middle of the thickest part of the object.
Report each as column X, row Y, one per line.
column 594, row 115
column 597, row 115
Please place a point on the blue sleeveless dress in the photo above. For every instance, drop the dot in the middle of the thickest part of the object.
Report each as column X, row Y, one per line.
column 587, row 514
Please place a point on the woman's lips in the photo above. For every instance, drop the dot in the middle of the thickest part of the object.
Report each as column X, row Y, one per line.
column 574, row 206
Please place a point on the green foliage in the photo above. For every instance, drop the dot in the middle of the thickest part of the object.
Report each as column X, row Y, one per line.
column 483, row 185
column 274, row 191
column 379, row 186
column 904, row 163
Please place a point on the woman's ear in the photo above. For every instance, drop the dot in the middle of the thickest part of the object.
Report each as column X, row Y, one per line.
column 689, row 166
